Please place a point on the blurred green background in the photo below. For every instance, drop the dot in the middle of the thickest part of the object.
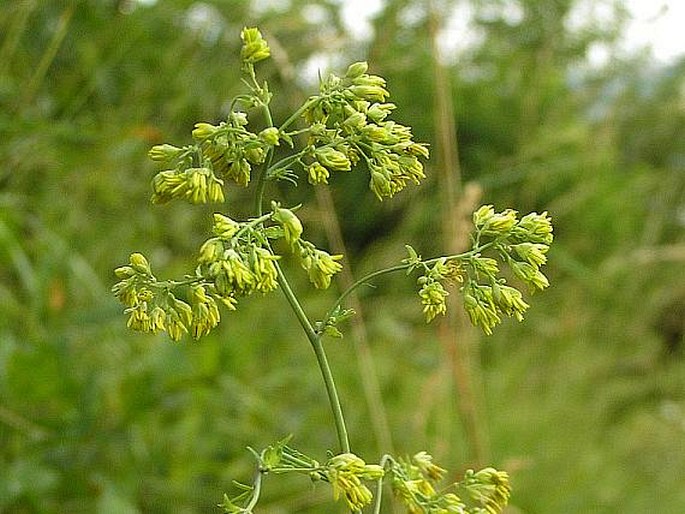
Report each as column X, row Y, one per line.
column 583, row 403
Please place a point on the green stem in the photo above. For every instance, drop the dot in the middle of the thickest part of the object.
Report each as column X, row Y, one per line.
column 286, row 161
column 261, row 179
column 307, row 105
column 321, row 359
column 256, row 492
column 379, row 486
column 309, row 331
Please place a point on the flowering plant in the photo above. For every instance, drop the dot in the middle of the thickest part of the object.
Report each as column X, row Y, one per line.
column 345, row 127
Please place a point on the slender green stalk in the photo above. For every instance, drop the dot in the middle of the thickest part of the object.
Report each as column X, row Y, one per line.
column 321, row 359
column 379, row 486
column 400, row 267
column 307, row 105
column 364, row 280
column 256, row 492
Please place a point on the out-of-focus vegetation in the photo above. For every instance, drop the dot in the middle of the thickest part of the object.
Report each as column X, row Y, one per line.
column 583, row 403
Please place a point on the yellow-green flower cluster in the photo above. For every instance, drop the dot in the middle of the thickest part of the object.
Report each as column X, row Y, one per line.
column 152, row 307
column 224, row 151
column 522, row 244
column 489, row 488
column 414, row 483
column 237, row 266
column 319, row 264
column 196, row 185
column 230, row 149
column 432, row 292
column 345, row 472
column 348, row 125
column 531, row 228
column 254, row 48
column 289, row 222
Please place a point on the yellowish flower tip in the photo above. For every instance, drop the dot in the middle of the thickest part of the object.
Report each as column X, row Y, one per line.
column 204, row 131
column 345, row 472
column 139, row 263
column 289, row 222
column 164, row 153
column 424, row 461
column 270, row 136
column 254, row 48
column 490, row 488
column 317, row 174
column 224, row 226
column 333, row 159
column 356, row 70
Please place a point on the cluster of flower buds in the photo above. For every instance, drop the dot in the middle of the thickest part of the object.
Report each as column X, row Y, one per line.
column 255, row 48
column 196, row 185
column 319, row 264
column 346, row 473
column 414, row 482
column 348, row 122
column 153, row 307
column 521, row 244
column 224, row 151
column 488, row 487
column 237, row 262
column 432, row 292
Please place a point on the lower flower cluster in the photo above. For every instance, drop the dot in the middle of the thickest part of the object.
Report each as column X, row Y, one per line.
column 416, row 483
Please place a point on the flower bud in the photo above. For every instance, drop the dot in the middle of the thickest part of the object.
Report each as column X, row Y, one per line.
column 216, row 192
column 254, row 47
column 534, row 253
column 224, row 226
column 380, row 134
column 380, row 184
column 370, row 92
column 204, row 131
column 210, row 251
column 269, row 136
column 317, row 174
column 164, row 153
column 536, row 228
column 255, row 155
column 183, row 311
column 483, row 215
column 140, row 264
column 238, row 118
column 123, row 272
column 378, row 112
column 355, row 120
column 333, row 159
column 503, row 221
column 356, row 70
column 291, row 224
